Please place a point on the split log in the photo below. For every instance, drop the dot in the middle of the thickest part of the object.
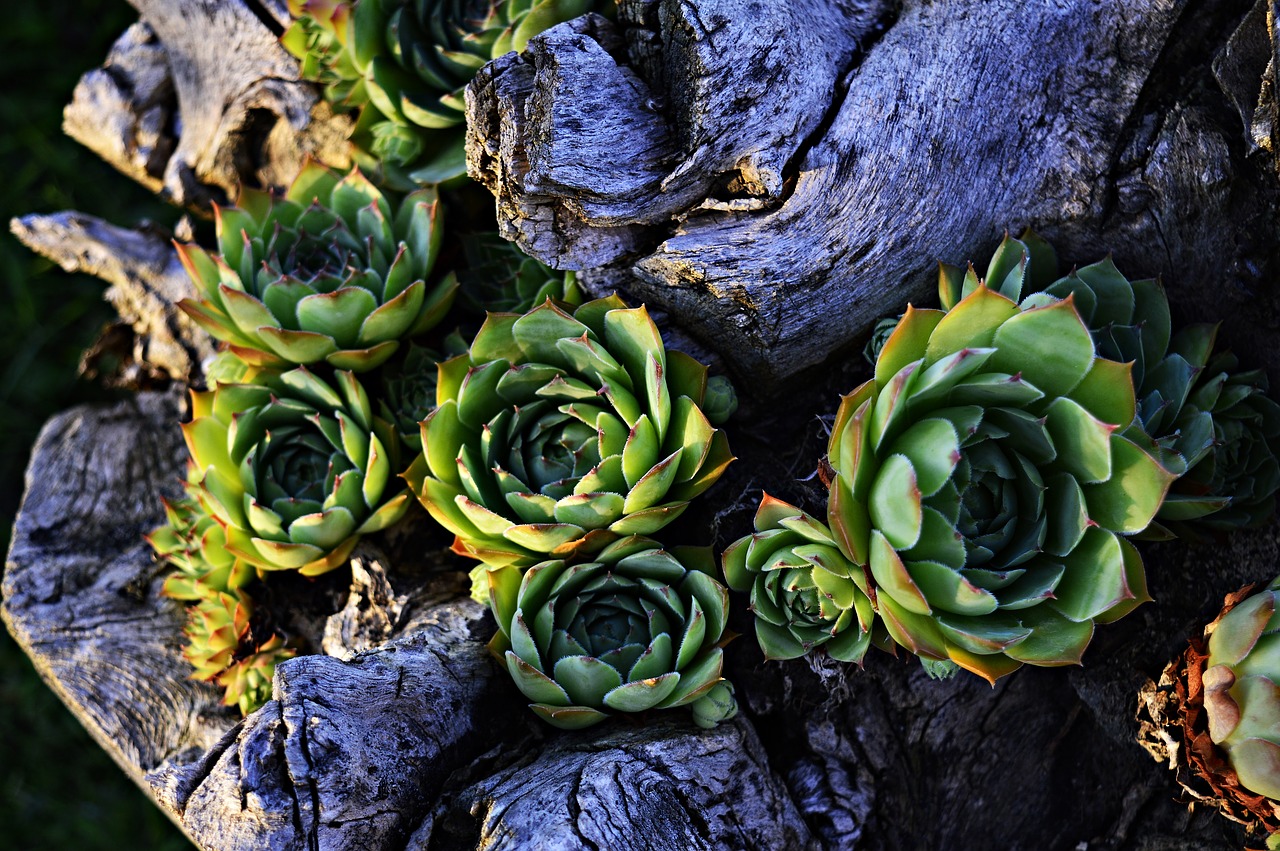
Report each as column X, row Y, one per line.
column 199, row 98
column 1100, row 124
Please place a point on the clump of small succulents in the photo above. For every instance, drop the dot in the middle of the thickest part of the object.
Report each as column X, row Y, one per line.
column 222, row 645
column 405, row 66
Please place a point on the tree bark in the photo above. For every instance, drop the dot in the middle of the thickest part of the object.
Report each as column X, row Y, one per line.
column 775, row 176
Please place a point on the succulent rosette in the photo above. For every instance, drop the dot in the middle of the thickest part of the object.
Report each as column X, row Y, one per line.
column 1241, row 682
column 981, row 478
column 559, row 433
column 407, row 63
column 1206, row 421
column 804, row 592
column 297, row 471
column 637, row 628
column 500, row 278
column 328, row 273
column 222, row 648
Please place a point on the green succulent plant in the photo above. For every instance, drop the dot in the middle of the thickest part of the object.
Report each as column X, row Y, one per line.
column 1204, row 420
column 500, row 278
column 297, row 471
column 222, row 648
column 1241, row 683
column 558, row 434
column 406, row 64
column 328, row 273
column 409, row 387
column 636, row 629
column 804, row 592
column 981, row 478
column 195, row 544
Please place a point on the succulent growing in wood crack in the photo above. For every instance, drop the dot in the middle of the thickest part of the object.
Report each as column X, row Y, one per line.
column 559, row 433
column 297, row 471
column 982, row 479
column 405, row 63
column 1205, row 420
column 637, row 628
column 329, row 273
column 1241, row 682
column 804, row 592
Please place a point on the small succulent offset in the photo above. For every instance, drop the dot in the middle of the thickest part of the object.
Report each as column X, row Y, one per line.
column 637, row 628
column 195, row 544
column 558, row 434
column 1205, row 421
column 409, row 386
column 406, row 64
column 295, row 472
column 981, row 478
column 804, row 592
column 222, row 648
column 328, row 273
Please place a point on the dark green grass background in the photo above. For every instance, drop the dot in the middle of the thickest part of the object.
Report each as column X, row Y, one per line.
column 58, row 790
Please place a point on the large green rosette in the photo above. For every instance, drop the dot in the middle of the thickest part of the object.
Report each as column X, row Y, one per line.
column 330, row 273
column 981, row 478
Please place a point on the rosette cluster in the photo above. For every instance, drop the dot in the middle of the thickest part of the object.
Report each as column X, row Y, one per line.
column 330, row 273
column 560, row 433
column 635, row 629
column 295, row 472
column 982, row 478
column 405, row 64
column 805, row 592
column 222, row 644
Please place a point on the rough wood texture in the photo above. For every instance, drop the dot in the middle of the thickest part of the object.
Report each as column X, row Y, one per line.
column 146, row 279
column 1100, row 124
column 666, row 785
column 199, row 98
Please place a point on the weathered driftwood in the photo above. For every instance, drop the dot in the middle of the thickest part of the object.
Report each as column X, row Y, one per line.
column 1093, row 122
column 200, row 98
column 878, row 139
column 147, row 281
